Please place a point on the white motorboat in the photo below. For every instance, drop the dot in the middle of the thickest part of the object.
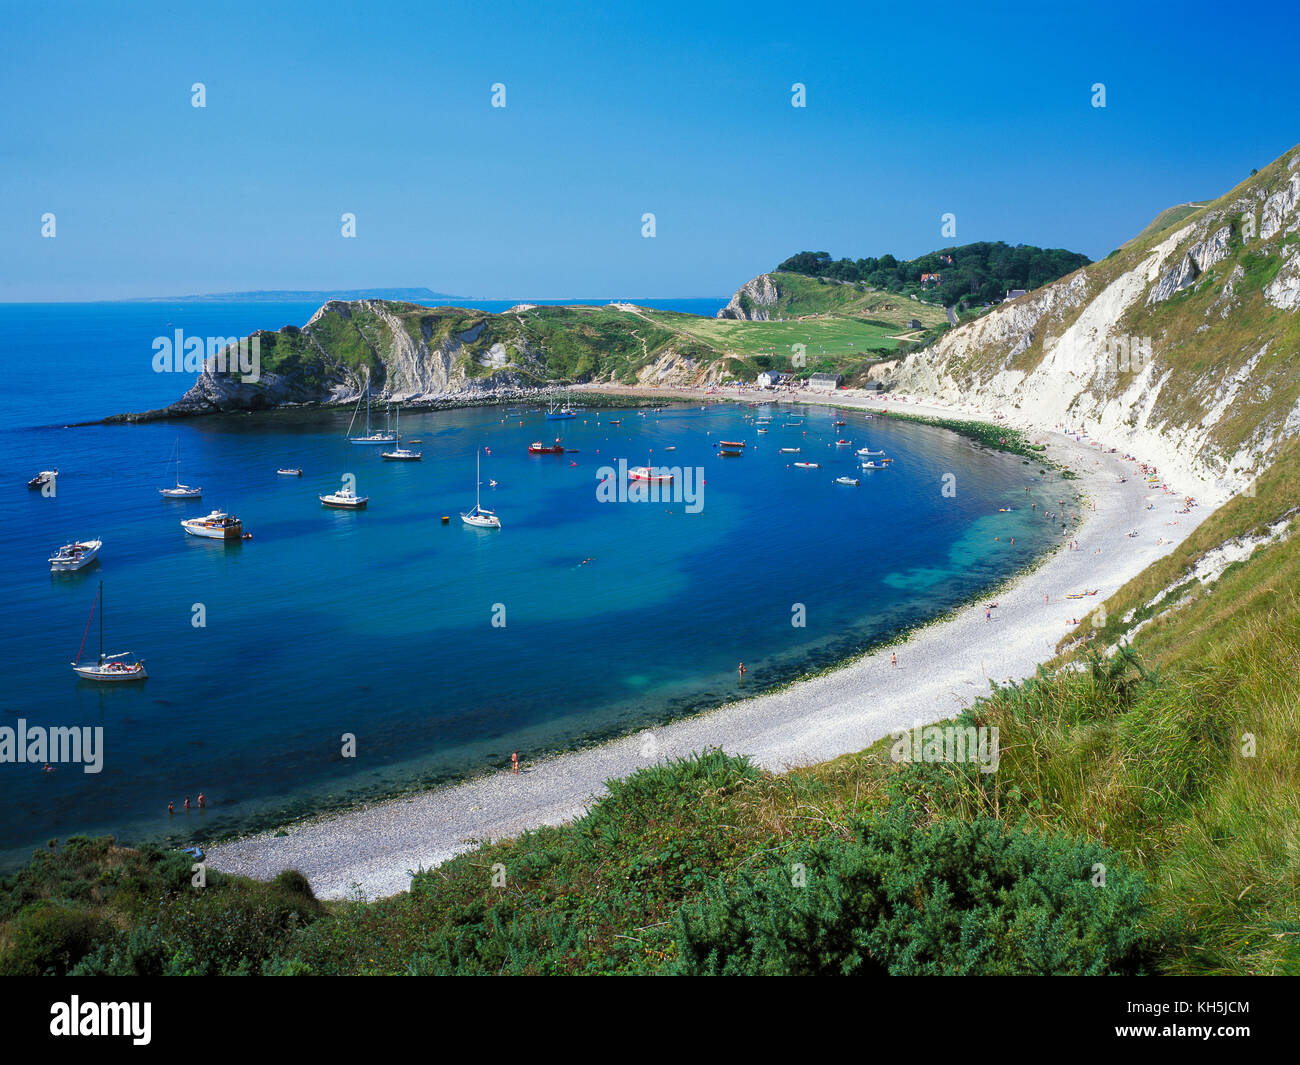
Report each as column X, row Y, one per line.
column 181, row 491
column 216, row 526
column 74, row 556
column 478, row 517
column 649, row 473
column 866, row 452
column 108, row 667
column 290, row 473
column 345, row 499
column 43, row 478
column 808, row 465
column 848, row 480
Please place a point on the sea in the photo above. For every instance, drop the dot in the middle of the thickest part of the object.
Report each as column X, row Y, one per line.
column 339, row 657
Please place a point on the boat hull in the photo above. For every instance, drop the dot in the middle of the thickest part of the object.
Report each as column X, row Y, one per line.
column 110, row 676
column 90, row 552
column 230, row 532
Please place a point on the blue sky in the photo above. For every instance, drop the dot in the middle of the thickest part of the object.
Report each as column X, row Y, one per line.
column 384, row 110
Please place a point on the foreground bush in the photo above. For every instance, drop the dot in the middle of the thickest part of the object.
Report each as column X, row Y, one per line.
column 956, row 898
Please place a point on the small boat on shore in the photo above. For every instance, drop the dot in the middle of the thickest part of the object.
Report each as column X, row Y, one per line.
column 216, row 526
column 108, row 667
column 43, row 478
column 345, row 499
column 74, row 556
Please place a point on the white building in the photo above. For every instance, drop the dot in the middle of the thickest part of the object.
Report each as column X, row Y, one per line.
column 769, row 378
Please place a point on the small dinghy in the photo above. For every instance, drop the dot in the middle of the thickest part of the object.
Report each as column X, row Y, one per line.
column 789, row 451
column 848, row 480
column 290, row 473
column 808, row 465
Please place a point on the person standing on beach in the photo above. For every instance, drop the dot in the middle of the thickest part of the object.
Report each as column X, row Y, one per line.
column 893, row 659
column 514, row 762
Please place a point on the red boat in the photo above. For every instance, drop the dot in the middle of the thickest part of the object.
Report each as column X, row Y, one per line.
column 731, row 443
column 539, row 448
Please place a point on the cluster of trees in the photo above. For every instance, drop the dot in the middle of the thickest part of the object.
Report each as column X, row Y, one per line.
column 971, row 274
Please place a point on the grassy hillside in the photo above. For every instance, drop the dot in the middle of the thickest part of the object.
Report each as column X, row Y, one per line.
column 1170, row 764
column 404, row 346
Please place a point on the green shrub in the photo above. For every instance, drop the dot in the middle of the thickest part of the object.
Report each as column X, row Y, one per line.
column 50, row 938
column 957, row 898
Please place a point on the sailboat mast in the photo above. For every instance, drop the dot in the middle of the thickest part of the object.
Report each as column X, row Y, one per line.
column 367, row 401
column 101, row 622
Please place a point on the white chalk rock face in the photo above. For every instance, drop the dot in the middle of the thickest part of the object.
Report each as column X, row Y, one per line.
column 750, row 303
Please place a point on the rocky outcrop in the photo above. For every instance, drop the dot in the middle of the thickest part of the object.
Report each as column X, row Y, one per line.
column 753, row 301
column 1198, row 258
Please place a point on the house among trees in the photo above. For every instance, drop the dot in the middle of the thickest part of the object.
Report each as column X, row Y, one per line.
column 936, row 278
column 1015, row 293
column 825, row 382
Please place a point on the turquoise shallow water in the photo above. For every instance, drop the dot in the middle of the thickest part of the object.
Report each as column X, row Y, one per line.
column 380, row 623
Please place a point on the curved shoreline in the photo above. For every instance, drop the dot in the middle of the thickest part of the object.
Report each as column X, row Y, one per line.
column 942, row 668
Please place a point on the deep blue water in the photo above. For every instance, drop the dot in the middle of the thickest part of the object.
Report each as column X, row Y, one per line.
column 380, row 623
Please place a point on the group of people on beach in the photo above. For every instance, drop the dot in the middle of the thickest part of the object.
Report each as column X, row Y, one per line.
column 202, row 802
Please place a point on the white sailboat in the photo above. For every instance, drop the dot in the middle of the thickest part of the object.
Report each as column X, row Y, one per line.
column 108, row 668
column 181, row 491
column 399, row 453
column 375, row 437
column 478, row 517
